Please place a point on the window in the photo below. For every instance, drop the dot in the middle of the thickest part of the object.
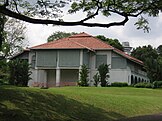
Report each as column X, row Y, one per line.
column 46, row 58
column 69, row 58
column 33, row 61
column 101, row 59
column 86, row 57
column 118, row 63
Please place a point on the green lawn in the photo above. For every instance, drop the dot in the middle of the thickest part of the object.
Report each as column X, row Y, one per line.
column 77, row 103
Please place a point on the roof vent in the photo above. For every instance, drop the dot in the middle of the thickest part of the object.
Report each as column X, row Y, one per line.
column 127, row 48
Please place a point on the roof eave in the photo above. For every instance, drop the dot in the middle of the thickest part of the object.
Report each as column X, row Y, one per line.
column 129, row 58
column 104, row 49
column 61, row 49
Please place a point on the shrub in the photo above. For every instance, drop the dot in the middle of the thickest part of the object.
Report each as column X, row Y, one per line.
column 149, row 85
column 96, row 78
column 119, row 84
column 83, row 76
column 140, row 85
column 3, row 72
column 157, row 84
column 103, row 71
column 143, row 85
column 19, row 72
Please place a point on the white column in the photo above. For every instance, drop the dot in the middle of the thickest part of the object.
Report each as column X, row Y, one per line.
column 57, row 77
column 81, row 62
column 58, row 73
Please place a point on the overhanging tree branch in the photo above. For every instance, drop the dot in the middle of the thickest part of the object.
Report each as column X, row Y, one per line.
column 10, row 13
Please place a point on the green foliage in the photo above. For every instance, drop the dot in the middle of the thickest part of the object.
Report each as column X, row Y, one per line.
column 143, row 85
column 142, row 53
column 154, row 69
column 140, row 85
column 157, row 84
column 103, row 72
column 2, row 32
column 52, row 9
column 142, row 23
column 152, row 61
column 113, row 42
column 159, row 50
column 12, row 37
column 19, row 72
column 83, row 76
column 96, row 79
column 3, row 71
column 59, row 35
column 15, row 35
column 148, row 85
column 119, row 84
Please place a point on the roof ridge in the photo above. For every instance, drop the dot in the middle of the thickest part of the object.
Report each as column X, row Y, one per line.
column 103, row 42
column 47, row 43
column 82, row 45
column 82, row 34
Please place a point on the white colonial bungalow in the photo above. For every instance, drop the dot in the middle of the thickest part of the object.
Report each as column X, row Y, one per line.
column 58, row 63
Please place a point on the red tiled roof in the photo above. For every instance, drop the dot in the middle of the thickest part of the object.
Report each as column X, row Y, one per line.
column 83, row 41
column 127, row 56
column 79, row 41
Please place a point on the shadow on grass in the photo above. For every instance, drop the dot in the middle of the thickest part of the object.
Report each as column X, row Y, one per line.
column 17, row 104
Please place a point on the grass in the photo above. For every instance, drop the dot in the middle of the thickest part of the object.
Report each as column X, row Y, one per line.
column 77, row 103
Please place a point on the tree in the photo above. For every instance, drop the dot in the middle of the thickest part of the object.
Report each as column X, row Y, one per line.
column 59, row 35
column 83, row 76
column 103, row 71
column 152, row 61
column 47, row 10
column 19, row 72
column 2, row 32
column 96, row 79
column 14, row 38
column 113, row 42
column 154, row 69
column 26, row 10
column 142, row 53
column 159, row 50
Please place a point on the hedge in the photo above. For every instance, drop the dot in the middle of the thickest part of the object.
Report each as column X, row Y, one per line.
column 143, row 85
column 157, row 84
column 119, row 84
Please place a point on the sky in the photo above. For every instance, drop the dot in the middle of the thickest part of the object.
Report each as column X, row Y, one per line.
column 38, row 34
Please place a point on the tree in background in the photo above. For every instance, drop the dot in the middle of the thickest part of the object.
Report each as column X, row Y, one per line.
column 59, row 35
column 152, row 61
column 103, row 73
column 159, row 50
column 113, row 42
column 154, row 69
column 142, row 53
column 12, row 33
column 14, row 38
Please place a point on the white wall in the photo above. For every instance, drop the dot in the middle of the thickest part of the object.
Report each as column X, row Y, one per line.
column 51, row 78
column 93, row 69
column 33, row 77
column 39, row 78
column 120, row 75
